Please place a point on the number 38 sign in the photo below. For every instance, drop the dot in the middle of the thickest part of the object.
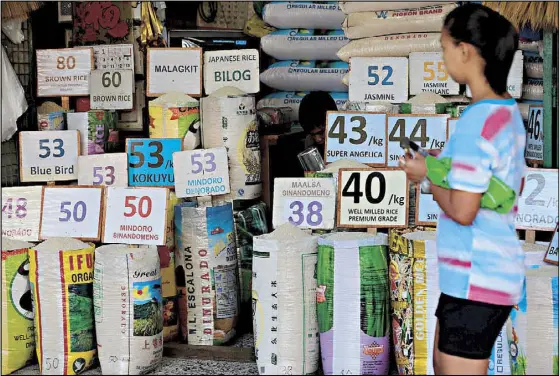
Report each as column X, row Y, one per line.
column 304, row 202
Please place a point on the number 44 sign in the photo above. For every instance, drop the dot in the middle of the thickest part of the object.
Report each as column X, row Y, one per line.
column 304, row 202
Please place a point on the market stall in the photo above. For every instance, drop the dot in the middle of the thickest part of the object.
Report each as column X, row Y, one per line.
column 166, row 206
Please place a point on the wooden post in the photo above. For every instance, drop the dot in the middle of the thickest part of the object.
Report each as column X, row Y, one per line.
column 66, row 103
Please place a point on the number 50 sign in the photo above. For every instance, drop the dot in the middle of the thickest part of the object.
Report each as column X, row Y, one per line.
column 135, row 215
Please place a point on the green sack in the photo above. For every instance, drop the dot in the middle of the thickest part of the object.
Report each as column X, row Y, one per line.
column 499, row 197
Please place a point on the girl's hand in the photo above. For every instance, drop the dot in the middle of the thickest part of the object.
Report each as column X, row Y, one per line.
column 415, row 168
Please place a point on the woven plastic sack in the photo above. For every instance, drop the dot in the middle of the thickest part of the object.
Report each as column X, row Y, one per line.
column 415, row 20
column 294, row 75
column 372, row 6
column 303, row 44
column 128, row 309
column 61, row 276
column 18, row 334
column 293, row 99
column 286, row 336
column 533, row 90
column 353, row 304
column 303, row 15
column 391, row 45
column 207, row 253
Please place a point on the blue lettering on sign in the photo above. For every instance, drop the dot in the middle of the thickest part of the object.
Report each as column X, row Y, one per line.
column 150, row 161
column 374, row 75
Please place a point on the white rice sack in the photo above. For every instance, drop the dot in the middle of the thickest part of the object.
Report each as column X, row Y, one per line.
column 294, row 75
column 303, row 44
column 293, row 100
column 416, row 20
column 534, row 70
column 533, row 90
column 61, row 276
column 128, row 309
column 391, row 45
column 18, row 334
column 372, row 6
column 303, row 15
column 284, row 302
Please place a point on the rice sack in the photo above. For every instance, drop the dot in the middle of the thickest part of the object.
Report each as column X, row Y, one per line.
column 295, row 75
column 303, row 14
column 303, row 44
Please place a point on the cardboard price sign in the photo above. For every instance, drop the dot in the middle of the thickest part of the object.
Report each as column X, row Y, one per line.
column 48, row 156
column 428, row 131
column 538, row 203
column 383, row 79
column 372, row 198
column 64, row 72
column 434, row 77
column 112, row 89
column 534, row 135
column 103, row 169
column 21, row 212
column 174, row 70
column 238, row 68
column 204, row 172
column 135, row 215
column 150, row 161
column 359, row 136
column 305, row 202
column 73, row 212
column 552, row 254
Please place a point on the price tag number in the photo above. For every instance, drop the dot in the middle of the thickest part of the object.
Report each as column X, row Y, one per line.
column 207, row 167
column 532, row 200
column 141, row 207
column 157, row 159
column 113, row 79
column 52, row 148
column 51, row 364
column 374, row 78
column 108, row 178
column 534, row 124
column 433, row 71
column 65, row 63
column 354, row 183
column 420, row 127
column 310, row 213
column 72, row 212
column 15, row 207
column 338, row 131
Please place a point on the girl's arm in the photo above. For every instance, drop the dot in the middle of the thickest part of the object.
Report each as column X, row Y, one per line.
column 460, row 206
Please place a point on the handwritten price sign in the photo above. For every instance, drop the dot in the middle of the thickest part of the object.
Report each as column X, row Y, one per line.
column 73, row 212
column 372, row 198
column 64, row 72
column 204, row 172
column 383, row 79
column 112, row 89
column 428, row 131
column 434, row 77
column 103, row 169
column 305, row 202
column 538, row 203
column 359, row 136
column 150, row 161
column 135, row 215
column 48, row 156
column 551, row 255
column 21, row 212
column 534, row 135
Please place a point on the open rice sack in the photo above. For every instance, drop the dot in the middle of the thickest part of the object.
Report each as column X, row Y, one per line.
column 299, row 75
column 128, row 309
column 303, row 14
column 61, row 277
column 414, row 295
column 207, row 255
column 18, row 333
column 353, row 304
column 400, row 45
column 303, row 44
column 286, row 336
column 414, row 20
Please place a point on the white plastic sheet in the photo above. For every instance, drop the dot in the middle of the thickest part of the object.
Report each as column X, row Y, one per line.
column 13, row 98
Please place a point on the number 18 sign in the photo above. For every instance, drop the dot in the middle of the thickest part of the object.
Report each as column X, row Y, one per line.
column 305, row 202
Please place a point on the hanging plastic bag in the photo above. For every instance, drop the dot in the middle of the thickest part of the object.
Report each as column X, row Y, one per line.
column 13, row 98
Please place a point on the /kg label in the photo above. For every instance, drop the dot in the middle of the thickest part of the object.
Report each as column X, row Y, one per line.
column 356, row 135
column 111, row 89
column 21, row 212
column 150, row 161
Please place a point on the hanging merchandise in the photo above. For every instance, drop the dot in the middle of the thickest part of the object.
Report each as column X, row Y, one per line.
column 295, row 75
column 293, row 99
column 61, row 276
column 373, row 6
column 51, row 117
column 128, row 309
column 175, row 115
column 533, row 90
column 286, row 336
column 353, row 304
column 18, row 335
column 425, row 103
column 400, row 45
column 303, row 14
column 303, row 44
column 97, row 129
column 229, row 118
column 415, row 20
column 13, row 98
column 207, row 253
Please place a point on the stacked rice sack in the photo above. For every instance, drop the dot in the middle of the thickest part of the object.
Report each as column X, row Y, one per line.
column 308, row 38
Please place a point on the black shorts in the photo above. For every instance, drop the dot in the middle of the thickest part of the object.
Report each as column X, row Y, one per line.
column 469, row 329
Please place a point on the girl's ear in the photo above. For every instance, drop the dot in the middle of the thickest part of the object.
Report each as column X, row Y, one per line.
column 466, row 52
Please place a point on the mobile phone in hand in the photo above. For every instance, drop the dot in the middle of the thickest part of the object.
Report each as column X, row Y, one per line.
column 408, row 144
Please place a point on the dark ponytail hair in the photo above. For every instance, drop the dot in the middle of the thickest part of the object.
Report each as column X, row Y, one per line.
column 494, row 37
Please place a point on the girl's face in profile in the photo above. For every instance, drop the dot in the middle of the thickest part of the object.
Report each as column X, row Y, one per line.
column 454, row 57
